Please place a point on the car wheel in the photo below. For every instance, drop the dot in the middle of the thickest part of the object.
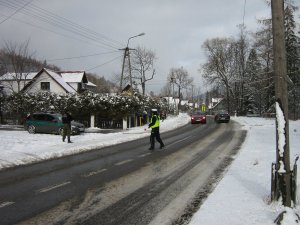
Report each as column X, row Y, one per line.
column 31, row 129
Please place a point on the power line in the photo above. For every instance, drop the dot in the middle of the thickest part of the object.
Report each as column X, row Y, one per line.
column 87, row 30
column 16, row 12
column 104, row 63
column 64, row 24
column 48, row 30
column 82, row 56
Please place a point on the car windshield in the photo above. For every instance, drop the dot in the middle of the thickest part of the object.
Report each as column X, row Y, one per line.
column 198, row 113
column 223, row 112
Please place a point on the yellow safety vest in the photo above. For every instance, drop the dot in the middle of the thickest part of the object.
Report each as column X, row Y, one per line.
column 156, row 122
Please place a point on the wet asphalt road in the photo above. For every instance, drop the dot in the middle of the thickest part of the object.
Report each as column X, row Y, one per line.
column 121, row 184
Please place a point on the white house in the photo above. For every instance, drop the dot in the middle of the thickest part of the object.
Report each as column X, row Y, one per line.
column 47, row 80
column 214, row 102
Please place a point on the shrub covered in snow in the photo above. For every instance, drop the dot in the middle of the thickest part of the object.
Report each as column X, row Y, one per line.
column 87, row 103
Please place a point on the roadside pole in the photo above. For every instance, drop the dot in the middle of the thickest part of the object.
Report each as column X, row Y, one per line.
column 282, row 169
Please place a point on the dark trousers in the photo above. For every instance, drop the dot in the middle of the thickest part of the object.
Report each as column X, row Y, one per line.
column 66, row 131
column 155, row 134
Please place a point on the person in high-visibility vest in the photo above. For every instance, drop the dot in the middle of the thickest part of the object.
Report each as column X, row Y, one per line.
column 154, row 125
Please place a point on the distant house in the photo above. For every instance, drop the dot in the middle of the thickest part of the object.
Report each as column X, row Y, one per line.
column 91, row 86
column 128, row 90
column 216, row 105
column 13, row 82
column 47, row 80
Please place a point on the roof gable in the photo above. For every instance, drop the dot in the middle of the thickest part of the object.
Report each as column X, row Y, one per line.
column 60, row 81
column 55, row 77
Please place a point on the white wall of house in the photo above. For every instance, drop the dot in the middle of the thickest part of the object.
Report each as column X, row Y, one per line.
column 73, row 85
column 54, row 86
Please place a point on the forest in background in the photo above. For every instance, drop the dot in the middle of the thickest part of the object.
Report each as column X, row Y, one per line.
column 241, row 69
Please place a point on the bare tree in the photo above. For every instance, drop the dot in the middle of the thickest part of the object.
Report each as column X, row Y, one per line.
column 103, row 85
column 17, row 61
column 181, row 79
column 220, row 67
column 143, row 66
column 241, row 54
column 166, row 90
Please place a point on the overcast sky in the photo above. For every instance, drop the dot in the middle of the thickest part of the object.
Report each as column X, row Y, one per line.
column 174, row 29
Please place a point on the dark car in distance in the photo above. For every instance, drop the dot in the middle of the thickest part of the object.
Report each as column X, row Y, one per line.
column 198, row 117
column 50, row 123
column 78, row 125
column 222, row 117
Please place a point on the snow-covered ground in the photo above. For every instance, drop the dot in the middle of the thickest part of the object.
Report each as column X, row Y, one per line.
column 241, row 197
column 20, row 147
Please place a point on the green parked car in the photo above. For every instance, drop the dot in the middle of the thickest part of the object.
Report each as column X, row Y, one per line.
column 50, row 123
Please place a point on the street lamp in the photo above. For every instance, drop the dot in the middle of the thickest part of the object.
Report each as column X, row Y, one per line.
column 141, row 34
column 127, row 54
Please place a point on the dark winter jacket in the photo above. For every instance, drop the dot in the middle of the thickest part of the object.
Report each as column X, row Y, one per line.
column 67, row 118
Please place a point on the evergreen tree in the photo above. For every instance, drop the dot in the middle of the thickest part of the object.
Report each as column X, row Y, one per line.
column 264, row 48
column 253, row 87
column 292, row 55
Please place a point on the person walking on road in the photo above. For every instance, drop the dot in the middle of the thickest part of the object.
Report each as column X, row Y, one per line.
column 66, row 119
column 154, row 125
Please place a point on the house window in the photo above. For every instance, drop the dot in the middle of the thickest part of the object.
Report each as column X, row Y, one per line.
column 79, row 85
column 45, row 86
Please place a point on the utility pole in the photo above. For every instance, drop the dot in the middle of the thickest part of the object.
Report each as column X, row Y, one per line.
column 127, row 56
column 282, row 169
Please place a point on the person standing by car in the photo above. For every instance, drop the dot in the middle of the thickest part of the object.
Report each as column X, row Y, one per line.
column 154, row 125
column 66, row 119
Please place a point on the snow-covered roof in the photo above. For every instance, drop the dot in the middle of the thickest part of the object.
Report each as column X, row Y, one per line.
column 60, row 80
column 69, row 76
column 19, row 76
column 73, row 77
column 89, row 83
column 216, row 103
column 183, row 102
